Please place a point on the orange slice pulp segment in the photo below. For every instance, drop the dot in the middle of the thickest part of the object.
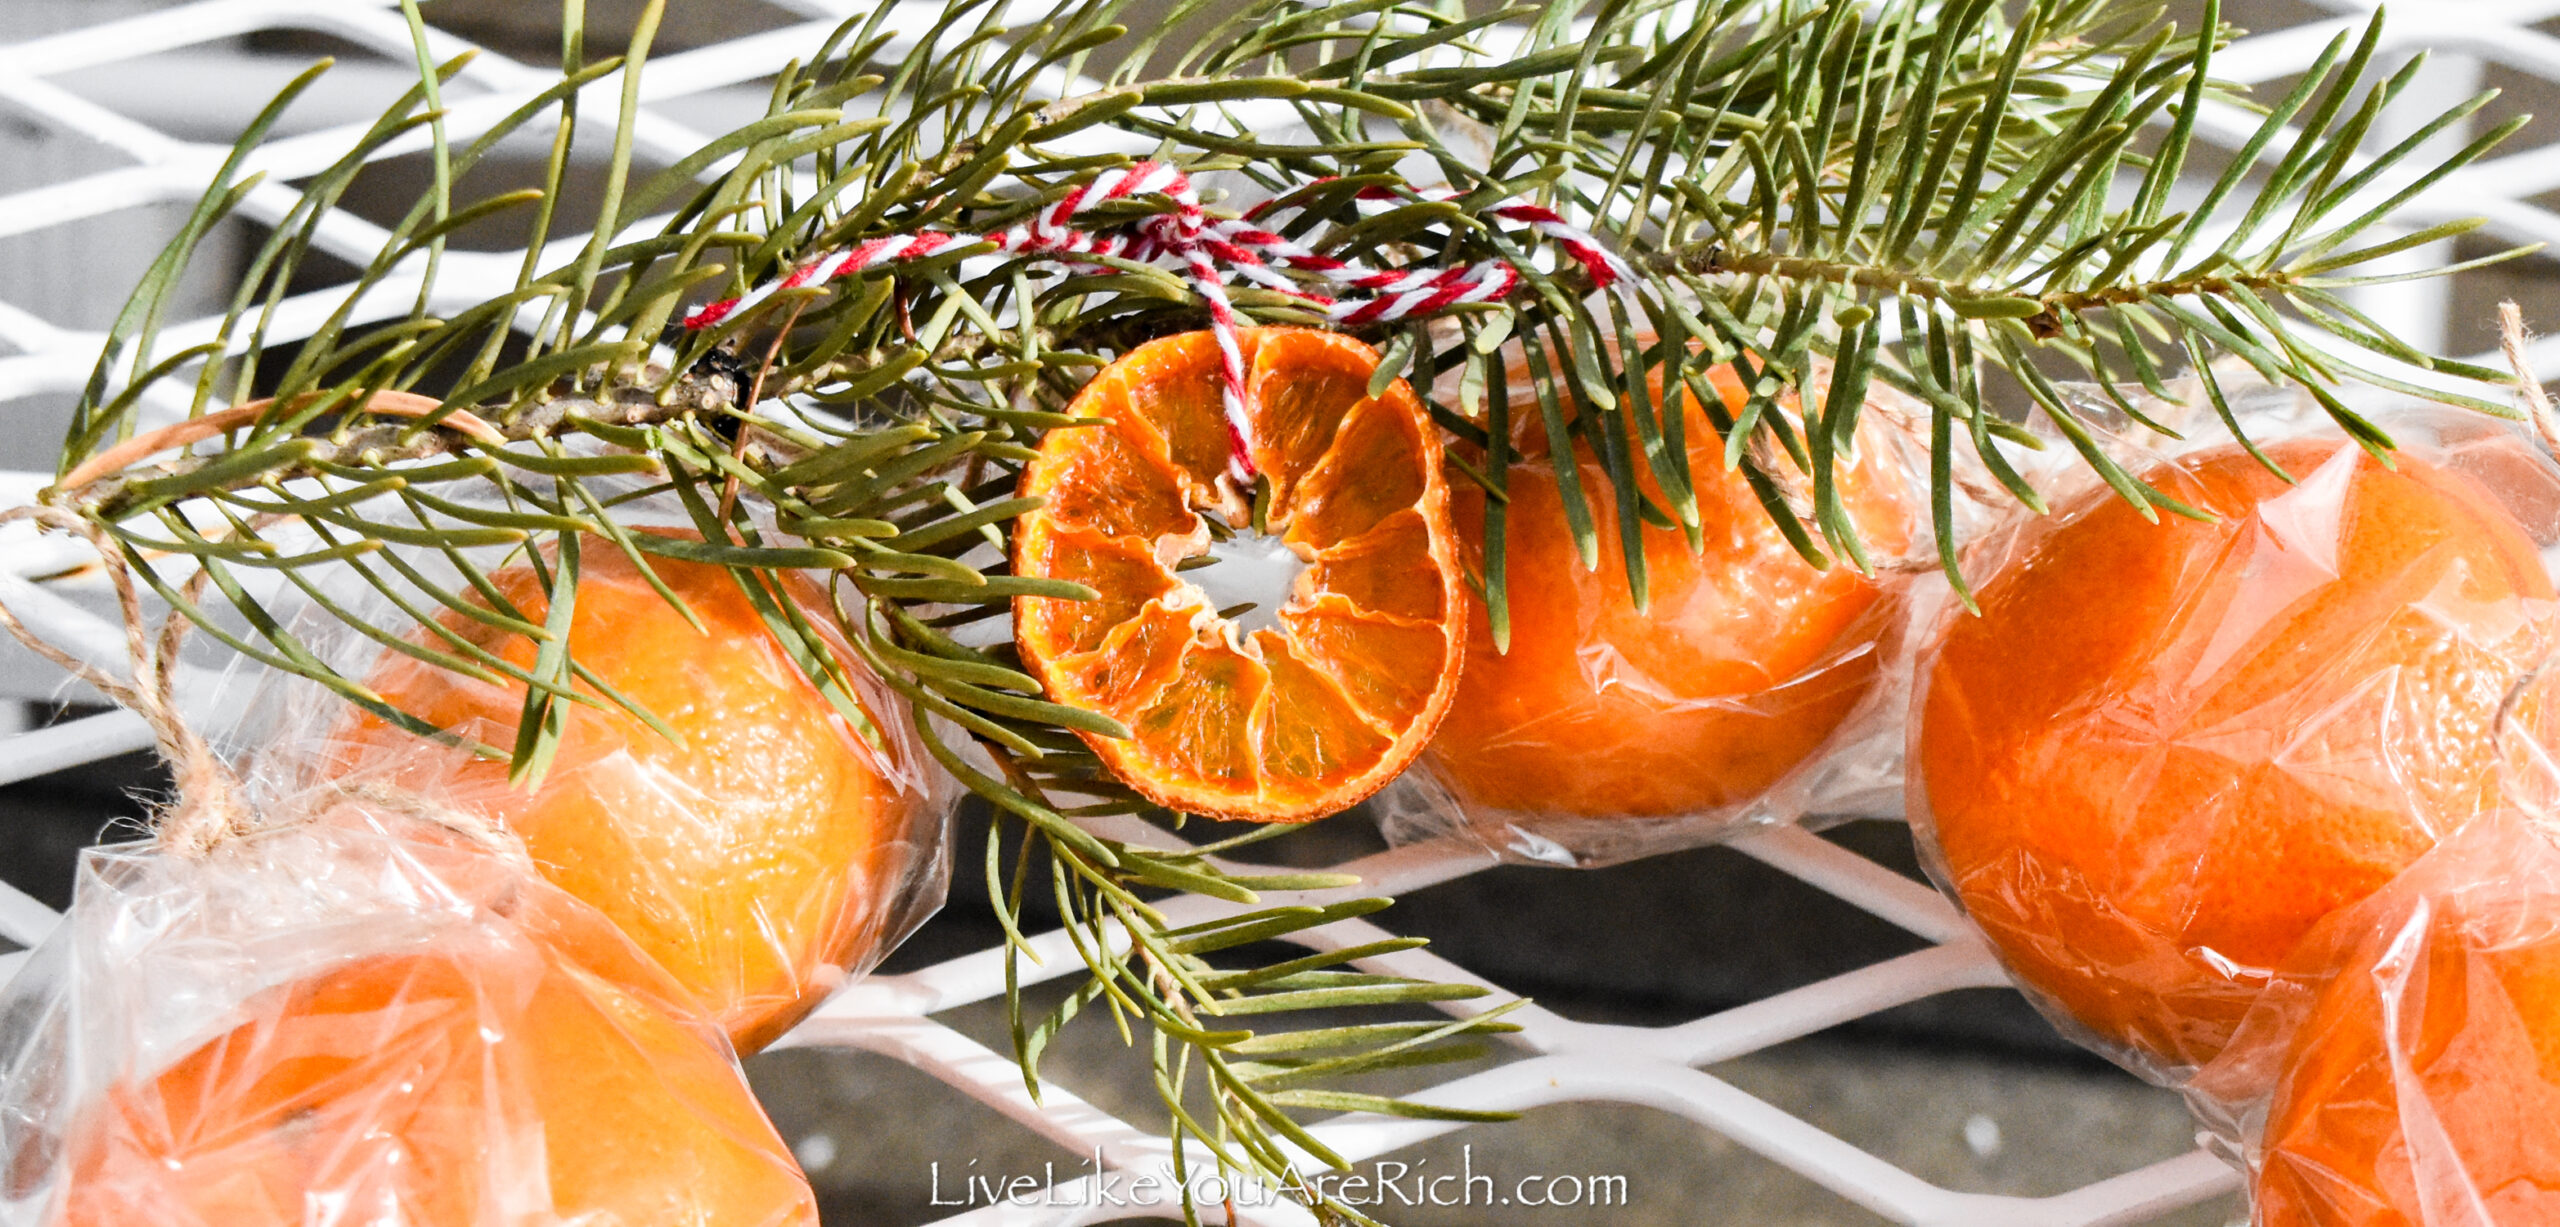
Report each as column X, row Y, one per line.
column 1293, row 714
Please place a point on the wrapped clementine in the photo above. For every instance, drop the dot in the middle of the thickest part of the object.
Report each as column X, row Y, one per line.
column 2403, row 1067
column 2164, row 751
column 1322, row 690
column 1602, row 731
column 764, row 852
column 339, row 1022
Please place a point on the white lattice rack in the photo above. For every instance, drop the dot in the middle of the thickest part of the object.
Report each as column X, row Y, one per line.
column 157, row 89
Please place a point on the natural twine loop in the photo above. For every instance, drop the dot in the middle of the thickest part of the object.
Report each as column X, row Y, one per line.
column 207, row 809
column 2539, row 803
column 2537, row 403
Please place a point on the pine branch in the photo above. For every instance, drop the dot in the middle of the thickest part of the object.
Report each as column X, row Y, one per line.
column 390, row 444
column 2043, row 314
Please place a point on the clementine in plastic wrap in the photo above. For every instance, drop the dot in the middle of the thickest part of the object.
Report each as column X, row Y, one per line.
column 1278, row 723
column 2483, row 1043
column 2404, row 1067
column 1745, row 662
column 2164, row 751
column 462, row 1085
column 756, row 859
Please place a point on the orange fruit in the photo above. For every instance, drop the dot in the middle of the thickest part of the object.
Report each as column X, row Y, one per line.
column 2163, row 751
column 1745, row 662
column 755, row 861
column 1278, row 723
column 2423, row 1078
column 535, row 1077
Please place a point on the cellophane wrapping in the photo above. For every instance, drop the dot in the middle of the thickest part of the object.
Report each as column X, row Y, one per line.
column 2162, row 753
column 360, row 1014
column 1754, row 688
column 2398, row 1070
column 778, row 844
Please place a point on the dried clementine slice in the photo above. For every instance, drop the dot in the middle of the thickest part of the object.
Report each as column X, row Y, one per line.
column 1272, row 714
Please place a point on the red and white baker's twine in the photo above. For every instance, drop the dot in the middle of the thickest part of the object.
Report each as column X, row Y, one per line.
column 1212, row 249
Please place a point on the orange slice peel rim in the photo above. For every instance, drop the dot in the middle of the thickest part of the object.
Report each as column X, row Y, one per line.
column 1282, row 722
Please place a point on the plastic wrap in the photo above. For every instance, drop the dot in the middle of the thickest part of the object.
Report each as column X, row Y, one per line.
column 2163, row 752
column 360, row 1017
column 2402, row 1069
column 757, row 842
column 1752, row 689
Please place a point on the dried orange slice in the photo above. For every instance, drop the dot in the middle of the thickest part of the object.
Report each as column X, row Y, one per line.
column 1267, row 715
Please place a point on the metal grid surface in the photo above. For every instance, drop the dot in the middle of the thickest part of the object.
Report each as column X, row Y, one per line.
column 138, row 95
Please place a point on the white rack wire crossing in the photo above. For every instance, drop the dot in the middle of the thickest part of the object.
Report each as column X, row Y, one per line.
column 199, row 72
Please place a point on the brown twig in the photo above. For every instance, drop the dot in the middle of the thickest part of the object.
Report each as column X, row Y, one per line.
column 99, row 489
column 1712, row 259
column 755, row 397
column 197, row 429
column 648, row 400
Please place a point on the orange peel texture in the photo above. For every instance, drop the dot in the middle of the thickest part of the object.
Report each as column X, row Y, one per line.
column 2407, row 1056
column 2164, row 751
column 757, row 860
column 1287, row 722
column 1744, row 664
column 2478, row 1042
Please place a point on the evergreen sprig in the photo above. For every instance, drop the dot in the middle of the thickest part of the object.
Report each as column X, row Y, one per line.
column 1935, row 195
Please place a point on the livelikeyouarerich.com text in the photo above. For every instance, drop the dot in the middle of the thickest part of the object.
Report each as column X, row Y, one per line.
column 1382, row 1183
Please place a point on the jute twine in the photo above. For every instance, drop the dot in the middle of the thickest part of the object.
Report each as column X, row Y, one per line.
column 208, row 810
column 2537, row 403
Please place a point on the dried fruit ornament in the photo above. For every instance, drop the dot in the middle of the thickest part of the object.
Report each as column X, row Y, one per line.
column 1314, row 709
column 2164, row 751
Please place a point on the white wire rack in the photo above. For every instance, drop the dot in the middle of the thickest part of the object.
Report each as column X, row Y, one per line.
column 153, row 91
